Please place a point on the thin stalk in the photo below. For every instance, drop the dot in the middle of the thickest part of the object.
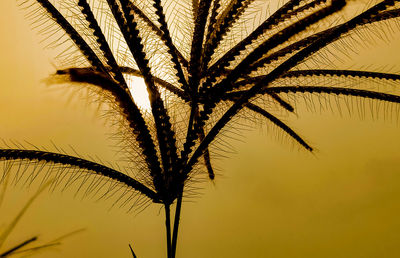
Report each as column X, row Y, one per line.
column 168, row 229
column 176, row 223
column 12, row 250
column 132, row 252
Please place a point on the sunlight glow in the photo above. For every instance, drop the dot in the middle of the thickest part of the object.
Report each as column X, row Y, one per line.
column 139, row 93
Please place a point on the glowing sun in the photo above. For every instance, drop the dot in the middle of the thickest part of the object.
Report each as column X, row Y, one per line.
column 139, row 93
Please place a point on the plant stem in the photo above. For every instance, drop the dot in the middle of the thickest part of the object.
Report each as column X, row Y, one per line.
column 16, row 248
column 176, row 223
column 168, row 229
column 132, row 252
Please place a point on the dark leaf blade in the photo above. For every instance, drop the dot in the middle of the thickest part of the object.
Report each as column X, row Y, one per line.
column 130, row 111
column 63, row 159
column 165, row 134
column 73, row 34
column 336, row 91
column 158, row 32
column 224, row 86
column 235, row 51
column 246, row 65
column 280, row 124
column 283, row 103
column 18, row 247
column 344, row 73
column 287, row 11
column 166, row 37
column 303, row 43
column 103, row 44
column 221, row 27
column 207, row 158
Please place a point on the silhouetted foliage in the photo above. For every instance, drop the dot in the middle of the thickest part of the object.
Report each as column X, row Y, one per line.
column 203, row 62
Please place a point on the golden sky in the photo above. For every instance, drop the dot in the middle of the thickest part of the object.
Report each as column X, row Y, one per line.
column 268, row 200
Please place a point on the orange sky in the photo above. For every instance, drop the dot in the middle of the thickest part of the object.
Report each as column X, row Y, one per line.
column 269, row 199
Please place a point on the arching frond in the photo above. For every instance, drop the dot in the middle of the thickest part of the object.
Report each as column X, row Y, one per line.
column 168, row 42
column 280, row 124
column 165, row 135
column 73, row 34
column 92, row 167
column 345, row 73
column 131, row 112
column 104, row 46
column 337, row 91
column 159, row 32
column 243, row 67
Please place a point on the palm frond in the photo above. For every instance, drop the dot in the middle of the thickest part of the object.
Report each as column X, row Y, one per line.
column 280, row 124
column 245, row 65
column 344, row 73
column 301, row 44
column 91, row 167
column 242, row 101
column 73, row 34
column 165, row 135
column 222, row 25
column 104, row 46
column 158, row 31
column 131, row 112
column 197, row 43
column 168, row 42
column 337, row 91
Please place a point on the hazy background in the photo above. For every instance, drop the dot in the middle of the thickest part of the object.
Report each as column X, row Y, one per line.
column 270, row 200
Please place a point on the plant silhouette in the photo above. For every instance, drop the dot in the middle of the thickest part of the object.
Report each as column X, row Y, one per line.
column 203, row 62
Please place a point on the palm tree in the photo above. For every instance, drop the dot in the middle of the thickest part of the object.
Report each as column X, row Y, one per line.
column 203, row 63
